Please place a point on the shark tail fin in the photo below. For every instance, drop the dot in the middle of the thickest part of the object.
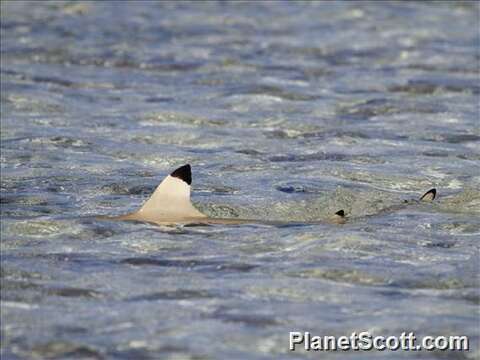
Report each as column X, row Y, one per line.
column 429, row 196
column 171, row 199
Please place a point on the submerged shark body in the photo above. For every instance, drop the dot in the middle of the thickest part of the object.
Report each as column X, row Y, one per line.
column 170, row 205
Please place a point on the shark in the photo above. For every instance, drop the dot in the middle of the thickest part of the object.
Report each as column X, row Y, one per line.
column 170, row 204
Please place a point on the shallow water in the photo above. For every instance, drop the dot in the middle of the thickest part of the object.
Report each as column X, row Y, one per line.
column 286, row 111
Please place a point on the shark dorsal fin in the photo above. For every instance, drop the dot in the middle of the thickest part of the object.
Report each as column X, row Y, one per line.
column 183, row 173
column 171, row 199
column 429, row 195
column 338, row 217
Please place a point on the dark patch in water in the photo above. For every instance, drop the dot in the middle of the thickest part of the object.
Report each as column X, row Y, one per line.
column 103, row 232
column 382, row 106
column 428, row 87
column 317, row 135
column 282, row 69
column 224, row 190
column 157, row 65
column 392, row 294
column 64, row 350
column 251, row 152
column 308, row 157
column 39, row 78
column 255, row 320
column 443, row 68
column 54, row 188
column 208, row 265
column 291, row 225
column 74, row 292
column 52, row 80
column 24, row 200
column 473, row 298
column 435, row 154
column 460, row 138
column 367, row 109
column 291, row 189
column 437, row 284
column 451, row 138
column 468, row 157
column 61, row 330
column 251, row 320
column 167, row 263
column 159, row 100
column 305, row 186
column 351, row 56
column 7, row 199
column 181, row 294
column 439, row 244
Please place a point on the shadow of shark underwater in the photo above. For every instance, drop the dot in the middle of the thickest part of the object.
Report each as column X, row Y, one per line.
column 170, row 205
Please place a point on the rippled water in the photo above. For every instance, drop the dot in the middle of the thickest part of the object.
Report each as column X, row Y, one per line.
column 286, row 111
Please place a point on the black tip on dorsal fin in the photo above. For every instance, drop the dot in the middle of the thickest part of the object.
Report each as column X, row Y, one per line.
column 429, row 195
column 183, row 173
column 340, row 213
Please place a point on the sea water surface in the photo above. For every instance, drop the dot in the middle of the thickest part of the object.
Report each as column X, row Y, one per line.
column 285, row 110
